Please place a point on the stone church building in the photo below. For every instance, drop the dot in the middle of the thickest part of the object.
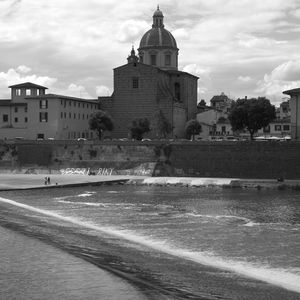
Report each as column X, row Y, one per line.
column 150, row 83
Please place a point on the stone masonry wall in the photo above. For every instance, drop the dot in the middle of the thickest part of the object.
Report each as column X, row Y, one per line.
column 199, row 159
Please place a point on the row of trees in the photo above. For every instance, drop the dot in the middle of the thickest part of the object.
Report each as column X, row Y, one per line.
column 250, row 114
column 101, row 121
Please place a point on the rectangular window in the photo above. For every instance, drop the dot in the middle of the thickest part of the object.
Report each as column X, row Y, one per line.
column 37, row 92
column 153, row 60
column 43, row 117
column 16, row 120
column 18, row 92
column 25, row 109
column 28, row 92
column 70, row 115
column 65, row 115
column 277, row 127
column 286, row 127
column 43, row 104
column 16, row 109
column 5, row 118
column 135, row 82
column 26, row 120
column 168, row 60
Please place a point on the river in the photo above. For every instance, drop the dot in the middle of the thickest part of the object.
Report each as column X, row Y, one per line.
column 150, row 242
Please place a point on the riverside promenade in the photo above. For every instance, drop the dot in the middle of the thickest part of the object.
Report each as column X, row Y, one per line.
column 10, row 181
column 37, row 181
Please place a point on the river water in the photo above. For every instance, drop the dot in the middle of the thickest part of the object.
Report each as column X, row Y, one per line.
column 150, row 242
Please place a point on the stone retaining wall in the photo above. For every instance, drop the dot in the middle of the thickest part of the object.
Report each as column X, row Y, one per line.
column 156, row 158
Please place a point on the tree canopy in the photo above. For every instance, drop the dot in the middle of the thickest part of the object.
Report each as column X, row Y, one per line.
column 139, row 127
column 101, row 121
column 164, row 127
column 251, row 114
column 192, row 128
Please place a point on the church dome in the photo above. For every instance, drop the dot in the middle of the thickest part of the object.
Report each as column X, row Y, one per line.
column 158, row 37
column 158, row 47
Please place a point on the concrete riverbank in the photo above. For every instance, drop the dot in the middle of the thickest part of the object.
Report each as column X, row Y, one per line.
column 37, row 181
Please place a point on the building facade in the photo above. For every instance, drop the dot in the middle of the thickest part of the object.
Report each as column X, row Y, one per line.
column 150, row 84
column 295, row 112
column 33, row 114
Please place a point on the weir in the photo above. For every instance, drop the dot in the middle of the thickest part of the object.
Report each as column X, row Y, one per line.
column 273, row 276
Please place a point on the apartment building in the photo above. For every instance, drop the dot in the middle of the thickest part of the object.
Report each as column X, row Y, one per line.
column 33, row 114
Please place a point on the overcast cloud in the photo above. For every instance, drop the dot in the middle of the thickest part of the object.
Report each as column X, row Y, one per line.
column 239, row 47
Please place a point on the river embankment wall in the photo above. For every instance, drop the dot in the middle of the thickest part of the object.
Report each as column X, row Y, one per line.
column 262, row 160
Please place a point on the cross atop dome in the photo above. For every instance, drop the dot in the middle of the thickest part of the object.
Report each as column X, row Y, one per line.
column 158, row 19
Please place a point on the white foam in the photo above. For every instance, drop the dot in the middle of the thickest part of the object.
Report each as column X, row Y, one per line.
column 188, row 181
column 84, row 195
column 210, row 181
column 277, row 277
column 62, row 198
column 222, row 217
column 82, row 203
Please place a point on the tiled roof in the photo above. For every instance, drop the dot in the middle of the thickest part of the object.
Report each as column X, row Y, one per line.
column 55, row 96
column 292, row 92
column 219, row 98
column 28, row 85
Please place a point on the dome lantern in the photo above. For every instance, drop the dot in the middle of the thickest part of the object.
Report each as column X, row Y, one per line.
column 158, row 18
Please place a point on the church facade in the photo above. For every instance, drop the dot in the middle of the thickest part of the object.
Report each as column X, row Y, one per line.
column 150, row 84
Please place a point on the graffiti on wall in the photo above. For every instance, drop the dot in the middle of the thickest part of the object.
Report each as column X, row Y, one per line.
column 87, row 171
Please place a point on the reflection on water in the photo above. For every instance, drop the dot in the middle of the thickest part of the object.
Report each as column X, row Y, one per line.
column 148, row 231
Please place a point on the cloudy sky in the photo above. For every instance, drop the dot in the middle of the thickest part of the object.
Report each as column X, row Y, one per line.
column 239, row 47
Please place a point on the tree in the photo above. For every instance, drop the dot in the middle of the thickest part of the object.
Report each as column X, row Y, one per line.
column 164, row 127
column 101, row 121
column 251, row 114
column 139, row 127
column 192, row 128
